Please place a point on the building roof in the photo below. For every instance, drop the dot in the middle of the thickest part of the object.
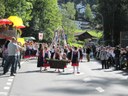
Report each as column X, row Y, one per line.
column 82, row 36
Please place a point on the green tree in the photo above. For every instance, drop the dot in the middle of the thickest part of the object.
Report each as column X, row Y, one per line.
column 68, row 16
column 88, row 13
column 22, row 8
column 2, row 9
column 46, row 18
column 115, row 14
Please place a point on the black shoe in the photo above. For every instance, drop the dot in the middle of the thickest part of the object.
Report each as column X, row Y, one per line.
column 19, row 66
column 4, row 73
column 12, row 75
column 78, row 72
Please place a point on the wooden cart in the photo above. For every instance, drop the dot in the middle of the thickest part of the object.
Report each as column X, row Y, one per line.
column 54, row 63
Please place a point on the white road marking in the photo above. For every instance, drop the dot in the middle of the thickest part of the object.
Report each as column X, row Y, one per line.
column 11, row 77
column 99, row 89
column 6, row 88
column 124, row 78
column 3, row 93
column 10, row 80
column 8, row 83
column 21, row 62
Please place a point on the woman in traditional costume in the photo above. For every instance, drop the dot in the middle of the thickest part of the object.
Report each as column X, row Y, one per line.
column 75, row 60
column 57, row 56
column 64, row 57
column 40, row 61
column 46, row 56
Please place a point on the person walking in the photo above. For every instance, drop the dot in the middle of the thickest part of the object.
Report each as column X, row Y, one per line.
column 40, row 61
column 117, row 58
column 12, row 50
column 88, row 51
column 18, row 57
column 81, row 54
column 46, row 55
column 4, row 53
column 75, row 60
column 64, row 57
column 104, row 57
column 57, row 56
column 52, row 51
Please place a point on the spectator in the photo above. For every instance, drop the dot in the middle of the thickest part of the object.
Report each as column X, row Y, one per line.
column 127, row 55
column 12, row 50
column 5, row 52
column 88, row 51
column 117, row 57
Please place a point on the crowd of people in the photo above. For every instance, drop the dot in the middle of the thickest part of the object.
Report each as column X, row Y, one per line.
column 72, row 54
column 112, row 57
column 13, row 51
column 11, row 56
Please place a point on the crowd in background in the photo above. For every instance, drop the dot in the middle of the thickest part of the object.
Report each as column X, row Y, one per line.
column 112, row 57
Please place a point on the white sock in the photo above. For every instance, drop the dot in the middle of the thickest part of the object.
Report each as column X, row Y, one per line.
column 74, row 69
column 40, row 68
column 77, row 68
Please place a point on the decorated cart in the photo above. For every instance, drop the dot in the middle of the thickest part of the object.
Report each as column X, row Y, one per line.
column 54, row 63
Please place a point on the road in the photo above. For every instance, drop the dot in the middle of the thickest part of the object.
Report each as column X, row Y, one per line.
column 92, row 81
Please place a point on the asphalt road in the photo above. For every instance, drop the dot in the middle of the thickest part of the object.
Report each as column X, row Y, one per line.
column 92, row 81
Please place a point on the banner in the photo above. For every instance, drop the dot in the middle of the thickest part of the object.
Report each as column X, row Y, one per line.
column 40, row 36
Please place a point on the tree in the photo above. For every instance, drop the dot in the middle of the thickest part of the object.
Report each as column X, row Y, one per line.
column 115, row 18
column 88, row 13
column 68, row 15
column 22, row 8
column 2, row 9
column 46, row 18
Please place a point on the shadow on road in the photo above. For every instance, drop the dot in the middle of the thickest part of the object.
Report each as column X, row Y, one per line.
column 88, row 87
column 97, row 69
column 34, row 71
column 72, row 91
column 65, row 73
column 38, row 71
column 4, row 76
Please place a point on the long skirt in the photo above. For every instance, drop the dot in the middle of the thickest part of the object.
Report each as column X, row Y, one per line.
column 40, row 62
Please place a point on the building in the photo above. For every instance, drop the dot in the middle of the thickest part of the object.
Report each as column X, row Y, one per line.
column 80, row 8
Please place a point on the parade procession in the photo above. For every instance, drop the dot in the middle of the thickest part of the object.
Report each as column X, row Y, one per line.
column 63, row 47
